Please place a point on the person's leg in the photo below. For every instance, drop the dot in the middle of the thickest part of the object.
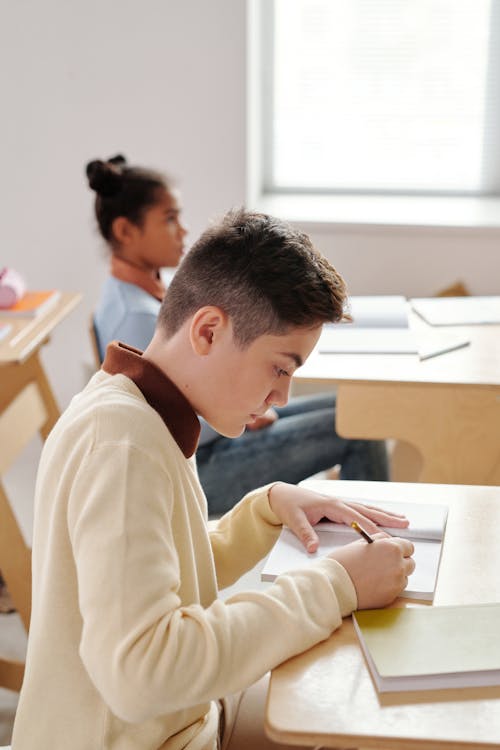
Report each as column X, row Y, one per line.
column 245, row 729
column 312, row 402
column 290, row 450
column 363, row 459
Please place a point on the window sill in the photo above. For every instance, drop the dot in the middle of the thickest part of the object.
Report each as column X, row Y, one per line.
column 368, row 211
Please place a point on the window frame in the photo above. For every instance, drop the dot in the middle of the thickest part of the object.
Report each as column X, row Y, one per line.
column 261, row 184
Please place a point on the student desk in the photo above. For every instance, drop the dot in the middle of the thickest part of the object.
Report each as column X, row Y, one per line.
column 326, row 697
column 27, row 406
column 447, row 407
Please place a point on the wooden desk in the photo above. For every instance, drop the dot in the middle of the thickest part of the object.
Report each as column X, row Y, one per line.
column 326, row 696
column 27, row 406
column 446, row 407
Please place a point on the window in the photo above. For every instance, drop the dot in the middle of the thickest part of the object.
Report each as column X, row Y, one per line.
column 394, row 96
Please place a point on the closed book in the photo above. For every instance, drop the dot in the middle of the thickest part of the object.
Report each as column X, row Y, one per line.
column 430, row 648
column 427, row 523
column 31, row 304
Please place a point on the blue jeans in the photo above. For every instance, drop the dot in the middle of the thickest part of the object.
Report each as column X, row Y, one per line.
column 301, row 442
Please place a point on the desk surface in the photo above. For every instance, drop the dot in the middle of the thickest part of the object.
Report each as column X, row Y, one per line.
column 29, row 333
column 476, row 364
column 326, row 697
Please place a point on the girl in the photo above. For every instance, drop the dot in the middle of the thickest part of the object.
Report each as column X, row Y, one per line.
column 139, row 216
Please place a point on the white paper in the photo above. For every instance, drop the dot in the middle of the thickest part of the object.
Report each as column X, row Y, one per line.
column 426, row 531
column 457, row 311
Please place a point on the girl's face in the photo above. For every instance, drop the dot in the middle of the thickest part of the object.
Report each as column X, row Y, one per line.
column 159, row 242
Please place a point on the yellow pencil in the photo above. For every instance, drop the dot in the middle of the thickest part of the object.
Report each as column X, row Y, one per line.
column 355, row 525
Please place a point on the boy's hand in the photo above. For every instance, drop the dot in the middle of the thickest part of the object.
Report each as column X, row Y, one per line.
column 379, row 571
column 265, row 420
column 300, row 509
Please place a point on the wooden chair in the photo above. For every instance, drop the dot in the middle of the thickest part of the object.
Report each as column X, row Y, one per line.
column 19, row 421
column 95, row 346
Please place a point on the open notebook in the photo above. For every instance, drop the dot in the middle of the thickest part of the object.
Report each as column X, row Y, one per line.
column 380, row 326
column 458, row 311
column 426, row 531
column 423, row 648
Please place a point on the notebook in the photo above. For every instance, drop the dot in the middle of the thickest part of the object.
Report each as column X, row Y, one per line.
column 458, row 311
column 380, row 326
column 31, row 304
column 423, row 648
column 426, row 531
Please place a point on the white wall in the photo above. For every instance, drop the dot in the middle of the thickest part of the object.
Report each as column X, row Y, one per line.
column 158, row 80
column 414, row 261
column 164, row 82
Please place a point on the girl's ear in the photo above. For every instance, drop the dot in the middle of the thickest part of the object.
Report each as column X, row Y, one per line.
column 122, row 230
column 208, row 326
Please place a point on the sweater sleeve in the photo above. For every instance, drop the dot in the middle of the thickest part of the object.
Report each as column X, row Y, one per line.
column 145, row 651
column 243, row 536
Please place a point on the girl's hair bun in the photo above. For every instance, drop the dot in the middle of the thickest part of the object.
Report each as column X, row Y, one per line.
column 118, row 160
column 105, row 176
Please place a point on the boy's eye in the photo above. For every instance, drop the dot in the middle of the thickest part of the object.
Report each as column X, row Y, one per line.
column 281, row 373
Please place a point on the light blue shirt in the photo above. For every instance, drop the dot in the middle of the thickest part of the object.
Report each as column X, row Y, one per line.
column 128, row 313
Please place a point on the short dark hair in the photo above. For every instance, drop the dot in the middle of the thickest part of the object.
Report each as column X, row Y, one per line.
column 123, row 190
column 265, row 274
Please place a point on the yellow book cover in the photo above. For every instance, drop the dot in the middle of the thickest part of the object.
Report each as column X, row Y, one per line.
column 423, row 648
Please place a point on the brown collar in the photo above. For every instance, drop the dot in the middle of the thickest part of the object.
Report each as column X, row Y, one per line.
column 125, row 271
column 159, row 392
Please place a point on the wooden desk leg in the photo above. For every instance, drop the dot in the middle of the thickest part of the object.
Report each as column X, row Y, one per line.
column 15, row 560
column 405, row 462
column 52, row 409
column 16, row 377
column 11, row 674
column 28, row 404
column 455, row 429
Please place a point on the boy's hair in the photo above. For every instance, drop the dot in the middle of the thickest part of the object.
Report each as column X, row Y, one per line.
column 123, row 190
column 265, row 274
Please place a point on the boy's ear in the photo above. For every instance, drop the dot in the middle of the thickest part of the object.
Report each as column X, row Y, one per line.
column 208, row 325
column 122, row 230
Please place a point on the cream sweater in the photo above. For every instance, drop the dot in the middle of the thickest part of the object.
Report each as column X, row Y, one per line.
column 129, row 646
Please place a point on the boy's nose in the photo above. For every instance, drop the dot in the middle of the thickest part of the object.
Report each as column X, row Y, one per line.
column 279, row 396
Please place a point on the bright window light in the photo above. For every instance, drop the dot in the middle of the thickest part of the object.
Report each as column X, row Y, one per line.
column 387, row 96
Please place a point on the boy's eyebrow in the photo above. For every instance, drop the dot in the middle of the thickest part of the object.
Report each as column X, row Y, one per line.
column 296, row 358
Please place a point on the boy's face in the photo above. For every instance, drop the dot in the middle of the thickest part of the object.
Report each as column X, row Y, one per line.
column 242, row 384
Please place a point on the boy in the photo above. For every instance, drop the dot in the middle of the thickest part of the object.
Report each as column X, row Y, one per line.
column 129, row 645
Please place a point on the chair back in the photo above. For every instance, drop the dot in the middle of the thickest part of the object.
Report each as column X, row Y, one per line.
column 95, row 347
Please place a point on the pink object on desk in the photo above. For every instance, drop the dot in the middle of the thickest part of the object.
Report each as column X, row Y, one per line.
column 12, row 287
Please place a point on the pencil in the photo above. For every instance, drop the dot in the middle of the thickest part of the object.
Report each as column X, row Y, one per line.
column 355, row 525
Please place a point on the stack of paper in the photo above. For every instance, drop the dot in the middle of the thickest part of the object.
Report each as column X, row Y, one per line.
column 423, row 648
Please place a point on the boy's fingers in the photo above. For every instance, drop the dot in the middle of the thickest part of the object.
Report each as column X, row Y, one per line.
column 304, row 531
column 407, row 547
